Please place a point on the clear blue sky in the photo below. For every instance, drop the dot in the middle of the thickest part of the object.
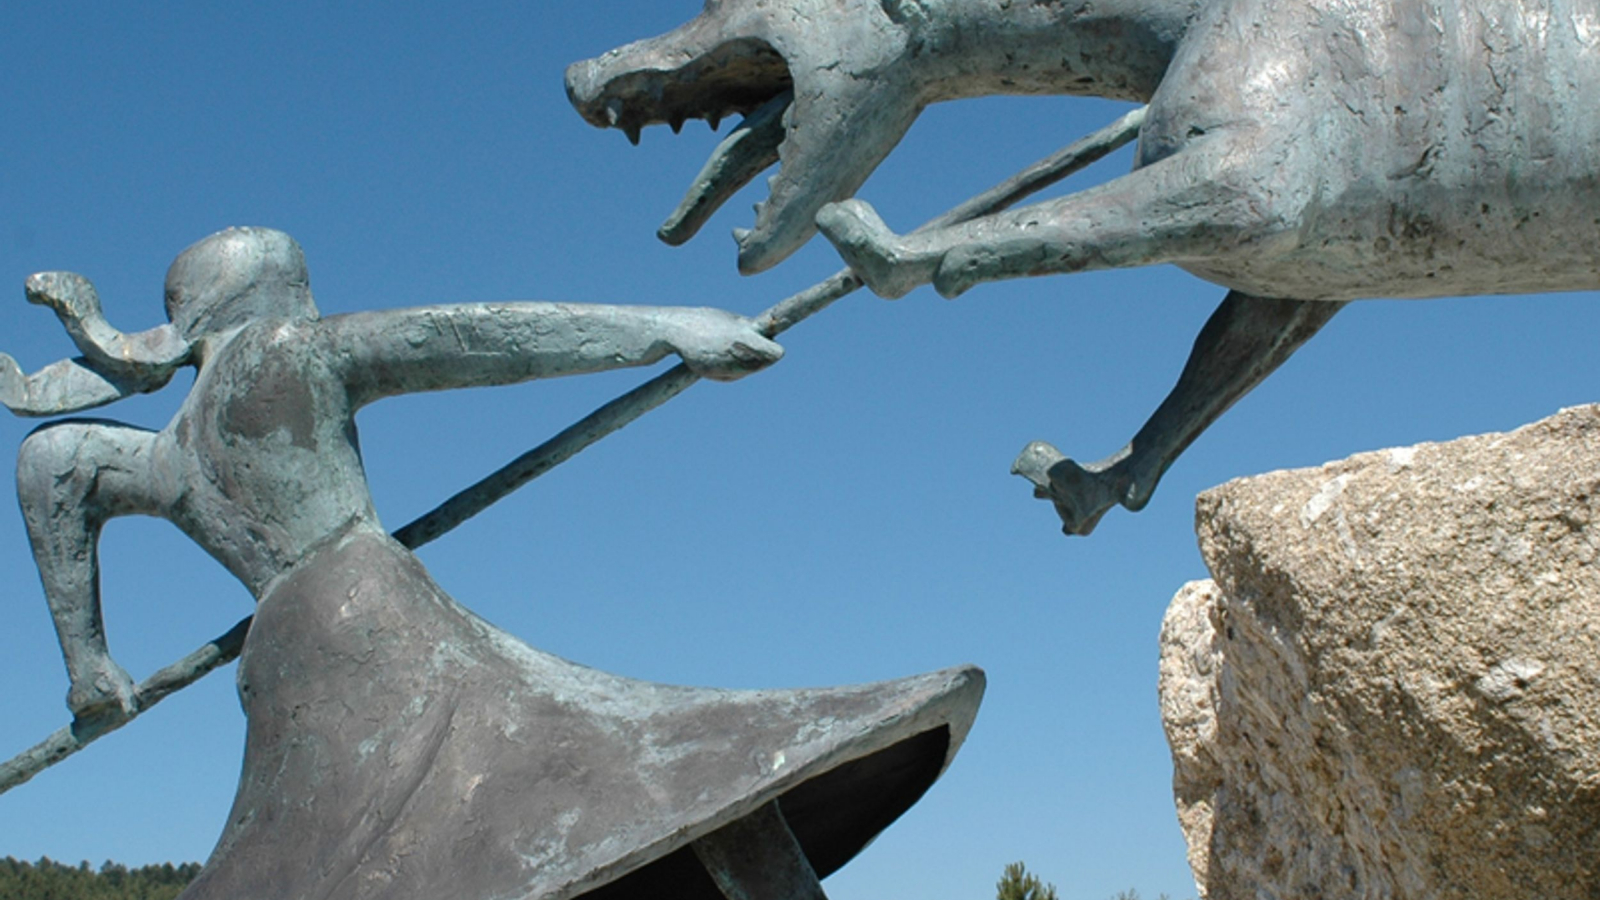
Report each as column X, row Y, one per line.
column 844, row 517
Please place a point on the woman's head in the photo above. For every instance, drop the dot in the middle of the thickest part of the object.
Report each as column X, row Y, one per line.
column 235, row 276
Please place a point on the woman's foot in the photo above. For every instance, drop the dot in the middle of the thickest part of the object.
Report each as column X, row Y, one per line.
column 1081, row 494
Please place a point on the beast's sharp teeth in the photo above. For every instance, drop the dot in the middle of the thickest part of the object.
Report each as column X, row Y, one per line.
column 676, row 122
column 633, row 134
column 740, row 235
column 714, row 120
column 742, row 155
column 613, row 112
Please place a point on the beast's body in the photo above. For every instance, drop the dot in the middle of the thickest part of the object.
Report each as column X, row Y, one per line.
column 1303, row 153
column 1402, row 149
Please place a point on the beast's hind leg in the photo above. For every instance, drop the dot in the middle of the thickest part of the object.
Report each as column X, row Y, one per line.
column 72, row 477
column 1241, row 344
column 1207, row 201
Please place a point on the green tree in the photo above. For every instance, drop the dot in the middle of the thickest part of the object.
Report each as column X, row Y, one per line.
column 50, row 880
column 1019, row 884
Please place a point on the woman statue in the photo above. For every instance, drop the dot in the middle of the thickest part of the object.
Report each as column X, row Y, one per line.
column 398, row 746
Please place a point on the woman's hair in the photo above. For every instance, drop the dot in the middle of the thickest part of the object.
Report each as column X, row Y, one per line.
column 235, row 276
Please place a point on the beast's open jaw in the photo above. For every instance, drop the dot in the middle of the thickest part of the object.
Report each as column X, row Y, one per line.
column 656, row 81
column 745, row 153
column 841, row 62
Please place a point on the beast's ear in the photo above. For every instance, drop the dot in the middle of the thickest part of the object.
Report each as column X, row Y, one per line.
column 144, row 360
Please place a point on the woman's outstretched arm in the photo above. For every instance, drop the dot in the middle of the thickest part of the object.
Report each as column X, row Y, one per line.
column 432, row 348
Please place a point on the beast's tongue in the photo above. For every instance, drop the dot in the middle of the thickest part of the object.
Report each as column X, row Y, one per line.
column 750, row 148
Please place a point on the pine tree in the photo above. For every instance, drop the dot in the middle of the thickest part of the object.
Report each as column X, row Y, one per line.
column 1019, row 884
column 50, row 880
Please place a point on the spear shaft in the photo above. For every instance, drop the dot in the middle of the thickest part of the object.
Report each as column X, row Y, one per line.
column 776, row 320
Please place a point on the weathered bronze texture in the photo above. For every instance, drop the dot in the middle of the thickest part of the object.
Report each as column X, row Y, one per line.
column 1301, row 154
column 398, row 746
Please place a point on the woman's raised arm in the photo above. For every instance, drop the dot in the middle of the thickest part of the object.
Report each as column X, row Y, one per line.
column 114, row 365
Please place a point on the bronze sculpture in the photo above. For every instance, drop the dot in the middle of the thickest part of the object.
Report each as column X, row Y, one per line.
column 1300, row 154
column 399, row 746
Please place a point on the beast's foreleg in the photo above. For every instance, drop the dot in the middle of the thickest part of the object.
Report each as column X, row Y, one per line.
column 1218, row 197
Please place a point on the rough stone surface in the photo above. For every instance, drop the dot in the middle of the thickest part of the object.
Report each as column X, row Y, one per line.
column 1389, row 690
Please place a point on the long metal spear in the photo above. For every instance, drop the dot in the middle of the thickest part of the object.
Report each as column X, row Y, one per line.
column 573, row 440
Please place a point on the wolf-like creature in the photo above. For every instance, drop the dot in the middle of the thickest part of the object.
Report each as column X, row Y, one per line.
column 1301, row 153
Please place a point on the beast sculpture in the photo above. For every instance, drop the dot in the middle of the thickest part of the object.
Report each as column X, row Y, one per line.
column 1302, row 154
